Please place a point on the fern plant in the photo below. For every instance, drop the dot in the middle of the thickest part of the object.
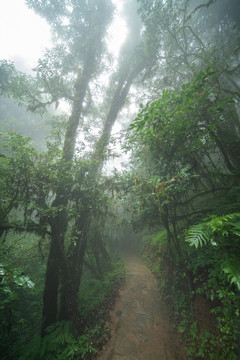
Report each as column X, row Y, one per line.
column 222, row 232
column 231, row 267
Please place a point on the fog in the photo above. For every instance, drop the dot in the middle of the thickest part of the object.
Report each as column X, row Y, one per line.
column 119, row 138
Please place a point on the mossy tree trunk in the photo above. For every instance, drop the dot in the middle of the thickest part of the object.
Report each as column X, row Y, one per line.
column 71, row 283
column 58, row 268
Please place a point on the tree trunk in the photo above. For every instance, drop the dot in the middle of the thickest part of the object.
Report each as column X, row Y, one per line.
column 71, row 277
column 117, row 103
column 58, row 222
column 49, row 313
column 71, row 281
column 69, row 292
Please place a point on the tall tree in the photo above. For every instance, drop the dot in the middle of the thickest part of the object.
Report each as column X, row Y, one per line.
column 133, row 61
column 67, row 72
column 83, row 39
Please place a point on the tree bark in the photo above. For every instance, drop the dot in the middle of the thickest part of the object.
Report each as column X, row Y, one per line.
column 69, row 293
column 57, row 263
column 49, row 313
column 71, row 274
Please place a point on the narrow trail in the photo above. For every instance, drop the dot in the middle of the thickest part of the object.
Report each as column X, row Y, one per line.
column 139, row 322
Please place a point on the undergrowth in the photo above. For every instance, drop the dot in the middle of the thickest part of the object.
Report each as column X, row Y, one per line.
column 62, row 341
column 194, row 285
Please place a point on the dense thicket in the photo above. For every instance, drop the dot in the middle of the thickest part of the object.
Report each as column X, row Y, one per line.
column 186, row 163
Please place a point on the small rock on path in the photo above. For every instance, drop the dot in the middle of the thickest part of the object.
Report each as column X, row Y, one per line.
column 139, row 322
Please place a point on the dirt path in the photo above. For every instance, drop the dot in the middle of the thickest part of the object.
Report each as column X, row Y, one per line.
column 139, row 322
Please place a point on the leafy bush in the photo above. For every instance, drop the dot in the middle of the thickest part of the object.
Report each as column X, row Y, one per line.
column 19, row 310
column 216, row 272
column 222, row 233
column 60, row 343
column 203, row 276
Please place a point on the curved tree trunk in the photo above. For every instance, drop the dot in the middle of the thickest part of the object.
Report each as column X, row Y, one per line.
column 57, row 266
column 68, row 307
column 70, row 275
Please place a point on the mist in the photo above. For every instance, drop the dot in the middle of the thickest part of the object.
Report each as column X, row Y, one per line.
column 119, row 171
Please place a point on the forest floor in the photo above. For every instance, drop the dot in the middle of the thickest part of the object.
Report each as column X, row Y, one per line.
column 139, row 321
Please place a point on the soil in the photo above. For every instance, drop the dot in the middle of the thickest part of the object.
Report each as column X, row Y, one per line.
column 139, row 321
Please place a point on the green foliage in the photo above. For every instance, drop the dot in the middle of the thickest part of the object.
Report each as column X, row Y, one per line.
column 29, row 182
column 181, row 156
column 231, row 267
column 20, row 309
column 94, row 291
column 185, row 167
column 196, row 236
column 60, row 343
column 190, row 126
column 223, row 233
column 155, row 243
column 16, row 276
column 23, row 88
column 213, row 333
column 26, row 180
column 16, row 170
column 185, row 137
column 159, row 241
column 153, row 249
column 180, row 122
column 188, row 37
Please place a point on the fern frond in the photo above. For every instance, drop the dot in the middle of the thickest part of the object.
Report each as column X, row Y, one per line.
column 218, row 231
column 231, row 267
column 198, row 235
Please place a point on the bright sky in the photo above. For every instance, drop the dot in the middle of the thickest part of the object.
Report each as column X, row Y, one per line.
column 24, row 35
